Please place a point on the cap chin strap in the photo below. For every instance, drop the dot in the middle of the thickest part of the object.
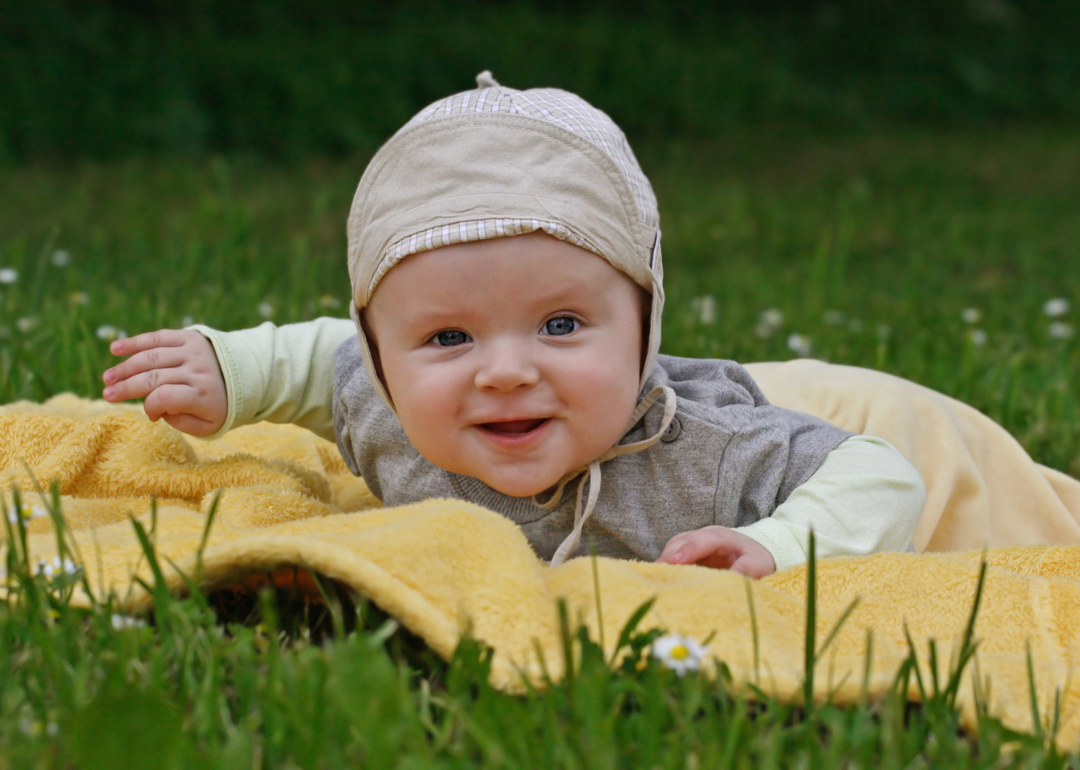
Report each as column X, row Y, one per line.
column 591, row 472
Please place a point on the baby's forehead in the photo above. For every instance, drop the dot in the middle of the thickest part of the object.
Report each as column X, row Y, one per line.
column 533, row 271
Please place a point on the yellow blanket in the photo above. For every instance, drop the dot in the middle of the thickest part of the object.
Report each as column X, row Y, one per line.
column 443, row 566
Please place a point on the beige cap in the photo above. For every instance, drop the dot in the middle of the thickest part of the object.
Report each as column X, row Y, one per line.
column 497, row 162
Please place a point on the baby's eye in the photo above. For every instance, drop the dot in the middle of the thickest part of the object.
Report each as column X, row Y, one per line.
column 450, row 339
column 561, row 325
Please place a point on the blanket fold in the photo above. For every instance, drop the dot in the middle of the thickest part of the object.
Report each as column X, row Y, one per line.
column 443, row 566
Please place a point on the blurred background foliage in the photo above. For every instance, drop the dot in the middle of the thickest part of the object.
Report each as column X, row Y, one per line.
column 293, row 78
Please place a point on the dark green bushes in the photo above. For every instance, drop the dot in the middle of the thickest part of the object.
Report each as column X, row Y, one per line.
column 288, row 79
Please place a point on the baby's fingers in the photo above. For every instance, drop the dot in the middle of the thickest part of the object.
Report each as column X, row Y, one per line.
column 171, row 400
column 144, row 362
column 688, row 548
column 162, row 338
column 190, row 424
column 142, row 383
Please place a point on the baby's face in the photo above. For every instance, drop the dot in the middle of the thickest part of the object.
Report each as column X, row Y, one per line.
column 512, row 360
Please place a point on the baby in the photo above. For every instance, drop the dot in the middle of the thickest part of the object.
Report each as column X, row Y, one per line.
column 507, row 287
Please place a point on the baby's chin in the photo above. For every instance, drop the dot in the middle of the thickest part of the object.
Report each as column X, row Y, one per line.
column 527, row 487
column 520, row 484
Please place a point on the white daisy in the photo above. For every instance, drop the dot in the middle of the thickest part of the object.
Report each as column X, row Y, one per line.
column 679, row 653
column 1056, row 307
column 705, row 309
column 799, row 344
column 1060, row 331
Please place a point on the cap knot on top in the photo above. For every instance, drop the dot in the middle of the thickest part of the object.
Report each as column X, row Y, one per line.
column 486, row 80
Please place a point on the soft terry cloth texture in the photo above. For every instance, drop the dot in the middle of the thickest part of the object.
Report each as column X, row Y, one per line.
column 442, row 566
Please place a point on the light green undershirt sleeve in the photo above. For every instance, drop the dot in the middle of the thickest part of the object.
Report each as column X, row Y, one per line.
column 865, row 498
column 280, row 374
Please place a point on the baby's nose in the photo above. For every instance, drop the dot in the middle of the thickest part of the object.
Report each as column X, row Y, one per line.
column 506, row 367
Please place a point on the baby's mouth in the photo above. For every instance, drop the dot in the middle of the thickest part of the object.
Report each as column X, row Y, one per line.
column 513, row 427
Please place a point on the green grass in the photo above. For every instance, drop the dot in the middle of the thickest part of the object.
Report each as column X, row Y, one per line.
column 871, row 247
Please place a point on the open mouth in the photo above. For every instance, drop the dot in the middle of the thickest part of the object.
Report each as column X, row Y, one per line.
column 513, row 427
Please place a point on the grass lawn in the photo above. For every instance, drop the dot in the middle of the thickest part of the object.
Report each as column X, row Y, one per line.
column 949, row 259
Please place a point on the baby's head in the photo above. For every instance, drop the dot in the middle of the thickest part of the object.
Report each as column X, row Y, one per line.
column 507, row 283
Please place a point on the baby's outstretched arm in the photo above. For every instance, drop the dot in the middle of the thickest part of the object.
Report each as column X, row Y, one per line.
column 721, row 548
column 177, row 373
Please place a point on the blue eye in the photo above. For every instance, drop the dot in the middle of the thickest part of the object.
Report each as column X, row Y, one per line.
column 450, row 339
column 560, row 326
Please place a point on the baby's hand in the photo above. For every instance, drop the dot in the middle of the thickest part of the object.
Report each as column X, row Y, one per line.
column 721, row 548
column 177, row 373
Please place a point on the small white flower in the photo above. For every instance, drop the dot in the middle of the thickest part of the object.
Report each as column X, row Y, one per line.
column 26, row 323
column 43, row 568
column 109, row 333
column 705, row 309
column 884, row 331
column 977, row 337
column 266, row 309
column 79, row 298
column 772, row 317
column 187, row 321
column 855, row 325
column 679, row 653
column 1057, row 307
column 56, row 567
column 799, row 344
column 27, row 512
column 834, row 317
column 971, row 315
column 120, row 622
column 61, row 257
column 8, row 275
column 331, row 303
column 769, row 321
column 1060, row 331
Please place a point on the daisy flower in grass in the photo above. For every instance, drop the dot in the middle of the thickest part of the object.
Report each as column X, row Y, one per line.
column 971, row 315
column 56, row 567
column 679, row 653
column 121, row 622
column 108, row 333
column 769, row 321
column 8, row 275
column 704, row 309
column 1060, row 331
column 26, row 512
column 800, row 345
column 1057, row 307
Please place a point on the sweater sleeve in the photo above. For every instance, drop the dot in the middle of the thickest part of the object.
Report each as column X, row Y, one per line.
column 865, row 498
column 280, row 374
